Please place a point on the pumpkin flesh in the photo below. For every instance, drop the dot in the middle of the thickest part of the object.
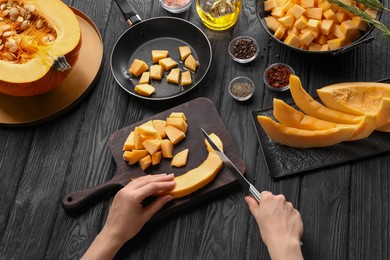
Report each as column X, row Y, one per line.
column 53, row 34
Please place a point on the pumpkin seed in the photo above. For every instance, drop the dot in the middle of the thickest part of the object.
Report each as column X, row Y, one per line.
column 3, row 6
column 14, row 13
column 7, row 34
column 30, row 8
column 5, row 13
column 25, row 24
column 1, row 46
column 13, row 49
column 8, row 56
column 39, row 24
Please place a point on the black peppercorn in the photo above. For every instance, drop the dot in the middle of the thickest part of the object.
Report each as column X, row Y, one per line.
column 244, row 49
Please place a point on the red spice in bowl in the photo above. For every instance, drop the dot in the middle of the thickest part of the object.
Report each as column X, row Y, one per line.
column 276, row 76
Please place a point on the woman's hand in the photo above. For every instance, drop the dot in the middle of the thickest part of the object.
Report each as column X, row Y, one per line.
column 127, row 215
column 280, row 225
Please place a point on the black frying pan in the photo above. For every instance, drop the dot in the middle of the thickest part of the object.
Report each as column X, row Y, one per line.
column 162, row 33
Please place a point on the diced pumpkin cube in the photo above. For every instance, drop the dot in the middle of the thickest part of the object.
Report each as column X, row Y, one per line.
column 174, row 135
column 335, row 43
column 137, row 139
column 159, row 125
column 314, row 13
column 325, row 5
column 272, row 23
column 144, row 78
column 292, row 40
column 287, row 21
column 341, row 17
column 350, row 30
column 129, row 143
column 184, row 52
column 360, row 23
column 148, row 130
column 337, row 31
column 144, row 89
column 149, row 123
column 277, row 12
column 326, row 26
column 137, row 67
column 313, row 24
column 156, row 72
column 177, row 122
column 324, row 47
column 293, row 30
column 307, row 37
column 145, row 162
column 180, row 159
column 329, row 14
column 152, row 145
column 281, row 2
column 179, row 115
column 174, row 76
column 186, row 78
column 307, row 3
column 166, row 148
column 269, row 5
column 296, row 10
column 280, row 32
column 315, row 33
column 287, row 6
column 314, row 46
column 191, row 63
column 321, row 39
column 156, row 157
column 134, row 156
column 167, row 63
column 158, row 55
column 301, row 23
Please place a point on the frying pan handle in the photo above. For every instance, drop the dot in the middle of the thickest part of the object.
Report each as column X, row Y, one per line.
column 77, row 200
column 129, row 14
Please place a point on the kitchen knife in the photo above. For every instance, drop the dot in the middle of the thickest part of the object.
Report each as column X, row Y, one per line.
column 246, row 185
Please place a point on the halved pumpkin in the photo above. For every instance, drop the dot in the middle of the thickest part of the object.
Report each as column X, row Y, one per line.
column 43, row 46
column 300, row 138
column 291, row 117
column 315, row 109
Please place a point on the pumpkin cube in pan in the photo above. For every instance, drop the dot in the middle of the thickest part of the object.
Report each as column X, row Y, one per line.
column 158, row 55
column 156, row 72
column 186, row 78
column 167, row 63
column 191, row 63
column 174, row 76
column 137, row 67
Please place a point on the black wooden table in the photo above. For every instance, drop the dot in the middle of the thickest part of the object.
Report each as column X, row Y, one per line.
column 345, row 208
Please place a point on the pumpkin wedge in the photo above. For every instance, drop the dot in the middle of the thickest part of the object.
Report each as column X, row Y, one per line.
column 315, row 109
column 291, row 117
column 40, row 48
column 198, row 177
column 300, row 138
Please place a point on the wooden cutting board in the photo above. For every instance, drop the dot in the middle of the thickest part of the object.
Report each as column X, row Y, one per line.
column 200, row 113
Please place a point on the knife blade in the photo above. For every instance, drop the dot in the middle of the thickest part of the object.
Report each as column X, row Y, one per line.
column 246, row 185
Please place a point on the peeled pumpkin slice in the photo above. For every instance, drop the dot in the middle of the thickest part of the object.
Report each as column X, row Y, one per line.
column 39, row 65
column 299, row 138
column 315, row 109
column 198, row 177
column 291, row 117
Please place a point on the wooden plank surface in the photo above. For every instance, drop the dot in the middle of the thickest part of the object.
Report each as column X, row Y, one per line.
column 345, row 209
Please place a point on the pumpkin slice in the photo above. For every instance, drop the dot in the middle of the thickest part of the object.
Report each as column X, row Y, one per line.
column 129, row 143
column 44, row 56
column 134, row 156
column 198, row 177
column 216, row 140
column 357, row 97
column 299, row 138
column 166, row 148
column 291, row 117
column 145, row 162
column 315, row 109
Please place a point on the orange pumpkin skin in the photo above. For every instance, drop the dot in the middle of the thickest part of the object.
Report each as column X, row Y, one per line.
column 40, row 72
column 48, row 82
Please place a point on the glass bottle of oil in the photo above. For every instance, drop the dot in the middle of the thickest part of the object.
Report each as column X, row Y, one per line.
column 218, row 14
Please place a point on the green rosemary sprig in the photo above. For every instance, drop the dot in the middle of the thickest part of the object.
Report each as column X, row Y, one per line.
column 365, row 16
column 374, row 4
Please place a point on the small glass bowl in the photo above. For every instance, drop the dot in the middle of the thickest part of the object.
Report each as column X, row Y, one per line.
column 241, row 79
column 240, row 60
column 266, row 80
column 185, row 4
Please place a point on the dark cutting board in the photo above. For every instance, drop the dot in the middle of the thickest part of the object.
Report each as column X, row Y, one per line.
column 200, row 113
column 283, row 161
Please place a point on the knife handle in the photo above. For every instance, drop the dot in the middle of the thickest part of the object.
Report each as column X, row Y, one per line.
column 79, row 200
